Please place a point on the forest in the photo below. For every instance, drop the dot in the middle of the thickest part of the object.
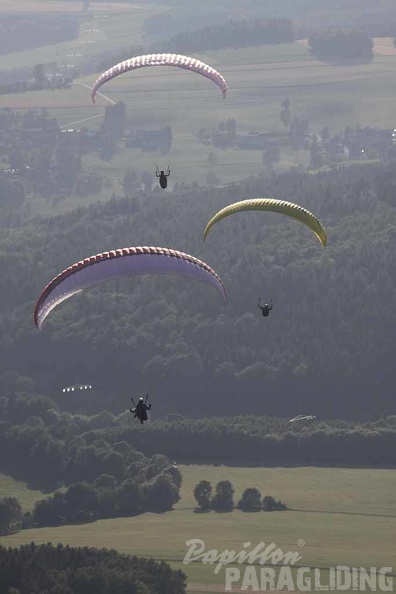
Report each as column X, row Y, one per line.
column 54, row 569
column 236, row 34
column 326, row 347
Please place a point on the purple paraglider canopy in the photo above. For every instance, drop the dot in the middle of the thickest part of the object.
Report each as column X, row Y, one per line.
column 177, row 60
column 118, row 263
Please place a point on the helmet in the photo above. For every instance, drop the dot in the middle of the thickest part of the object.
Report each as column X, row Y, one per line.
column 140, row 399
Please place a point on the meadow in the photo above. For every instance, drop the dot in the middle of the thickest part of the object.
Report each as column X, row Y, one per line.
column 336, row 517
column 27, row 497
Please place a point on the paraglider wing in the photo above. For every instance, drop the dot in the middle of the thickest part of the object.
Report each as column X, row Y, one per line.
column 272, row 205
column 161, row 60
column 302, row 418
column 119, row 263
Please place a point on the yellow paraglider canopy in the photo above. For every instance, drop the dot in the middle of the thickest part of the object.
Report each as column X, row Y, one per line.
column 272, row 205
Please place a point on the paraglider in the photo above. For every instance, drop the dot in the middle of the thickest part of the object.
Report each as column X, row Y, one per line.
column 302, row 418
column 130, row 261
column 163, row 177
column 270, row 204
column 266, row 308
column 140, row 410
column 161, row 60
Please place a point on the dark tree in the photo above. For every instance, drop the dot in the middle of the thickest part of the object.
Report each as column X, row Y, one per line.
column 203, row 493
column 114, row 121
column 342, row 46
column 10, row 515
column 251, row 500
column 270, row 504
column 160, row 494
column 223, row 499
column 40, row 79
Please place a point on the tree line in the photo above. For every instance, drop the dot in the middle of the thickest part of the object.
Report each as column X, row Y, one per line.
column 47, row 447
column 54, row 569
column 256, row 441
column 234, row 34
column 342, row 45
column 222, row 500
column 104, row 498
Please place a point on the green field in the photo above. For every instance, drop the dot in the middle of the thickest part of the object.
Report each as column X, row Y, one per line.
column 12, row 488
column 345, row 517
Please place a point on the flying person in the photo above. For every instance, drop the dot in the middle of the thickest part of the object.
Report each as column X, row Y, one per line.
column 266, row 308
column 163, row 177
column 140, row 410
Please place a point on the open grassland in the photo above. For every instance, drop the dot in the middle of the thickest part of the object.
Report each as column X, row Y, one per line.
column 103, row 28
column 12, row 488
column 344, row 516
column 307, row 489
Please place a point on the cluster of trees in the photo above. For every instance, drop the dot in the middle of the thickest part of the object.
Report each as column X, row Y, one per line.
column 222, row 500
column 105, row 498
column 230, row 34
column 11, row 515
column 47, row 448
column 40, row 80
column 21, row 32
column 54, row 569
column 342, row 46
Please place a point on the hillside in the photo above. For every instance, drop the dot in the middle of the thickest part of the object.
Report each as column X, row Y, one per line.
column 327, row 346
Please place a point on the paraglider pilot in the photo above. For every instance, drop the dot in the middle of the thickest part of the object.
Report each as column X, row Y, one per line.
column 163, row 177
column 266, row 308
column 140, row 410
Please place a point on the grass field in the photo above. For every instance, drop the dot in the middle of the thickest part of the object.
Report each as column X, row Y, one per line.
column 26, row 497
column 345, row 517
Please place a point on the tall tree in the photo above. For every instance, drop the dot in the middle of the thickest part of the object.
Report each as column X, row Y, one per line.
column 202, row 494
